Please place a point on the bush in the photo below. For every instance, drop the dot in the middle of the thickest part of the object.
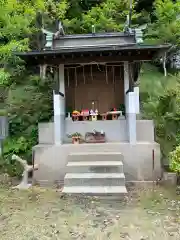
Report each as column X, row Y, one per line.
column 164, row 110
column 19, row 146
column 174, row 158
column 12, row 168
column 28, row 102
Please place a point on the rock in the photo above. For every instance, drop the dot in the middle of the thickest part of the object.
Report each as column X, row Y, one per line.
column 124, row 235
column 172, row 229
column 171, row 234
column 53, row 225
column 144, row 238
column 98, row 214
column 56, row 231
column 94, row 225
column 151, row 212
column 46, row 214
column 108, row 234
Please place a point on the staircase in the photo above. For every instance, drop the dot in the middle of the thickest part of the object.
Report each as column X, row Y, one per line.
column 96, row 173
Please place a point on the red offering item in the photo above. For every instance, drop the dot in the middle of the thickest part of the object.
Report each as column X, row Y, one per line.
column 85, row 112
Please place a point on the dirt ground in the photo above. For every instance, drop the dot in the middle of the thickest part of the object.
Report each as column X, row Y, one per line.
column 41, row 214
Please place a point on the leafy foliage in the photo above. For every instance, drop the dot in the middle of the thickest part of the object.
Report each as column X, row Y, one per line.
column 175, row 160
column 162, row 103
column 166, row 27
column 16, row 23
column 110, row 15
column 19, row 146
column 28, row 99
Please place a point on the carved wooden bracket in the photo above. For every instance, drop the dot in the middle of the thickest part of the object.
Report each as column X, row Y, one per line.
column 43, row 71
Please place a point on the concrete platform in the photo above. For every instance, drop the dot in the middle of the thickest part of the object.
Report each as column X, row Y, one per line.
column 95, row 163
column 95, row 166
column 92, row 156
column 137, row 160
column 98, row 190
column 94, row 179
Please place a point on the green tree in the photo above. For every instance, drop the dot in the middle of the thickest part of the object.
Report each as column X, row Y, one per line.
column 16, row 23
column 23, row 91
column 162, row 105
column 166, row 27
column 108, row 16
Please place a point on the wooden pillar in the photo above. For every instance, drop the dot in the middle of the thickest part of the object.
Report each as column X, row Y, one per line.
column 126, row 77
column 61, row 79
column 131, row 77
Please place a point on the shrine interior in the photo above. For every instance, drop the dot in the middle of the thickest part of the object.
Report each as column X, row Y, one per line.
column 96, row 87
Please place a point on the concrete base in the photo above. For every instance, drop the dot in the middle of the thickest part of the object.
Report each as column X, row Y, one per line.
column 116, row 130
column 96, row 190
column 53, row 159
column 170, row 178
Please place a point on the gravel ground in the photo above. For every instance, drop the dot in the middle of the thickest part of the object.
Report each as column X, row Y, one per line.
column 41, row 214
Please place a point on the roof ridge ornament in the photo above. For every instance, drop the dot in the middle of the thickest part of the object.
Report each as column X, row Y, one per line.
column 139, row 33
column 127, row 29
column 50, row 35
column 60, row 31
column 49, row 38
column 93, row 30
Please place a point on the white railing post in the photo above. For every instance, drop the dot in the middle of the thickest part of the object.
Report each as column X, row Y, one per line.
column 130, row 106
column 131, row 117
column 59, row 107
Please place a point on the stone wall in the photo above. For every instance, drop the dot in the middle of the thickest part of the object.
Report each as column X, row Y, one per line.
column 115, row 130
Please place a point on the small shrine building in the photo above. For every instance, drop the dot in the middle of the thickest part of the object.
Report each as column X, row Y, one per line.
column 96, row 73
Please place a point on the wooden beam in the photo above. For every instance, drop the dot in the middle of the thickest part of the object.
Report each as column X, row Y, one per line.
column 131, row 76
column 88, row 59
column 56, row 80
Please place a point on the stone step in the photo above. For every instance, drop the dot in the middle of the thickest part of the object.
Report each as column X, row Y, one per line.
column 95, row 167
column 98, row 190
column 94, row 179
column 95, row 156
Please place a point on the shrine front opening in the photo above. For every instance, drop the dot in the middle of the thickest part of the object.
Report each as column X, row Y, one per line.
column 101, row 90
column 94, row 87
